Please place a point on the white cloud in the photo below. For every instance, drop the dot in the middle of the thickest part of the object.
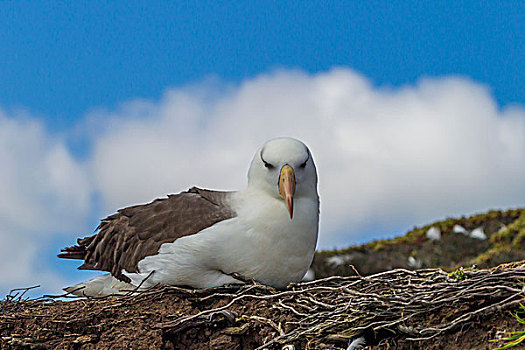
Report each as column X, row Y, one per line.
column 44, row 192
column 19, row 254
column 42, row 186
column 386, row 156
column 403, row 155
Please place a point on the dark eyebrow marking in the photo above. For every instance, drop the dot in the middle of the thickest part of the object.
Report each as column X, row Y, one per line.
column 303, row 164
column 266, row 164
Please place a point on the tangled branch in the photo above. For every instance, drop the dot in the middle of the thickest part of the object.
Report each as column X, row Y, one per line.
column 397, row 302
column 400, row 304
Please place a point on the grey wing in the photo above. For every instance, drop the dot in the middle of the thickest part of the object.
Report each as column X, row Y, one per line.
column 138, row 231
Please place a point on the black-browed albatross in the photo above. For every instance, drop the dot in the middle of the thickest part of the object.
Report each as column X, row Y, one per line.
column 204, row 238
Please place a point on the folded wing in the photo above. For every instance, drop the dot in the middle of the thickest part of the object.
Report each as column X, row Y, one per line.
column 127, row 237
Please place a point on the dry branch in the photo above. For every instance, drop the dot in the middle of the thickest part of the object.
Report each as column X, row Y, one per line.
column 411, row 306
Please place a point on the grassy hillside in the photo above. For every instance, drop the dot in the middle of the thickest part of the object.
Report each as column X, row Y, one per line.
column 505, row 242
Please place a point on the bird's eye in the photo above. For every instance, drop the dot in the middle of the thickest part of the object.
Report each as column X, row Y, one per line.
column 268, row 165
column 303, row 165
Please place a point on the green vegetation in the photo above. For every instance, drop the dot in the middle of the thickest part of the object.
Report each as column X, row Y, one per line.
column 514, row 234
column 418, row 233
column 514, row 338
column 504, row 243
column 458, row 274
column 505, row 232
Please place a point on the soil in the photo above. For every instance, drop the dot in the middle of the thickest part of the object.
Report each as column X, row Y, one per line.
column 151, row 320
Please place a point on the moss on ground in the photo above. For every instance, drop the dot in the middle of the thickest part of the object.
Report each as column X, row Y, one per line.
column 505, row 244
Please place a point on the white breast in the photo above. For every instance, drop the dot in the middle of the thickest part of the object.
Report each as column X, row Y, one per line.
column 260, row 243
column 271, row 248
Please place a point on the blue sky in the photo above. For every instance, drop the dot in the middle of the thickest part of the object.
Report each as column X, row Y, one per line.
column 63, row 59
column 106, row 104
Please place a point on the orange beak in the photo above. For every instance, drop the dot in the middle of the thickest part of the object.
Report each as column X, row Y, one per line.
column 287, row 187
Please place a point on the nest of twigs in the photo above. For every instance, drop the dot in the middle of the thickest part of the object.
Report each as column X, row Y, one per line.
column 398, row 308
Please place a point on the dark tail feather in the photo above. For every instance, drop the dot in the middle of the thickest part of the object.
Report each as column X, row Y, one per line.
column 74, row 252
column 78, row 251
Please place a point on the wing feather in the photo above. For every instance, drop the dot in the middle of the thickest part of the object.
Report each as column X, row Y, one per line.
column 125, row 238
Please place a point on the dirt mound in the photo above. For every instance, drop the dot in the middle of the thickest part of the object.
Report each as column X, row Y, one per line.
column 424, row 309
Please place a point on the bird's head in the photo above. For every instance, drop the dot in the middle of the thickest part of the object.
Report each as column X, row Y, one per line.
column 285, row 169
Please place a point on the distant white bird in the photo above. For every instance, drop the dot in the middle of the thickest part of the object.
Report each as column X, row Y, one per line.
column 203, row 238
column 414, row 263
column 338, row 260
column 478, row 233
column 460, row 229
column 433, row 234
